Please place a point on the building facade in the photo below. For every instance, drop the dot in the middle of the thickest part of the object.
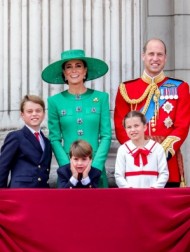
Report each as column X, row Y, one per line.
column 33, row 33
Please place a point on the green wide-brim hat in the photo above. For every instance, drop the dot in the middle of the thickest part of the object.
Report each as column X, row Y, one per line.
column 54, row 72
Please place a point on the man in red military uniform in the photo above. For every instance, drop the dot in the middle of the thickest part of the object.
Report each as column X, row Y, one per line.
column 164, row 101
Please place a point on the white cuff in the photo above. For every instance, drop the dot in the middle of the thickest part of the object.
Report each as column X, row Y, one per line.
column 85, row 181
column 73, row 181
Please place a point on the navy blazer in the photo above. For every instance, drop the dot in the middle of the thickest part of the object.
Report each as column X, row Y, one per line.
column 22, row 155
column 64, row 175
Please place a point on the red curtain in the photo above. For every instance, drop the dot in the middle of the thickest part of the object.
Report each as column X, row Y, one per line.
column 95, row 220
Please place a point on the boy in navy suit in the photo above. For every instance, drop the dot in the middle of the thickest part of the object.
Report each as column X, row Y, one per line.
column 79, row 173
column 27, row 153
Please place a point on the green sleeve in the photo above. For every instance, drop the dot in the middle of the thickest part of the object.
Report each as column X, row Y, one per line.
column 104, row 135
column 55, row 135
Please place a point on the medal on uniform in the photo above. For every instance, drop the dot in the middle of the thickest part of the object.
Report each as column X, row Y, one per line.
column 166, row 96
column 168, row 122
column 167, row 107
column 171, row 93
column 175, row 93
column 162, row 94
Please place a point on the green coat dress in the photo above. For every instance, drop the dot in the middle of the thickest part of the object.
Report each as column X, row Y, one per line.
column 87, row 116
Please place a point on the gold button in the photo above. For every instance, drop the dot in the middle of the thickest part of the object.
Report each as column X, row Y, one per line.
column 39, row 179
column 153, row 129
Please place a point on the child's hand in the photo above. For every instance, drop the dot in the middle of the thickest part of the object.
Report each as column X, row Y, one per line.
column 86, row 171
column 73, row 170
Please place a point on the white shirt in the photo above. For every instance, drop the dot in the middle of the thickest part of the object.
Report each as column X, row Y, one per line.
column 40, row 137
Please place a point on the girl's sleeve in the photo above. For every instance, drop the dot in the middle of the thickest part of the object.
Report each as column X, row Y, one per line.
column 162, row 168
column 120, row 165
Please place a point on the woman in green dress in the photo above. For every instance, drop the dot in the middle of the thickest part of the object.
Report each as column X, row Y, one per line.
column 78, row 112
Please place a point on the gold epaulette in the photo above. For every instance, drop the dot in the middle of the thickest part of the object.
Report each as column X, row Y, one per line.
column 168, row 143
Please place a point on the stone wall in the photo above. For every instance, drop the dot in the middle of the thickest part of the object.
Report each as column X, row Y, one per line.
column 34, row 33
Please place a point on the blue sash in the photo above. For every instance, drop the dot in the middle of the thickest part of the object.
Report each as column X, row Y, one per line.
column 167, row 84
